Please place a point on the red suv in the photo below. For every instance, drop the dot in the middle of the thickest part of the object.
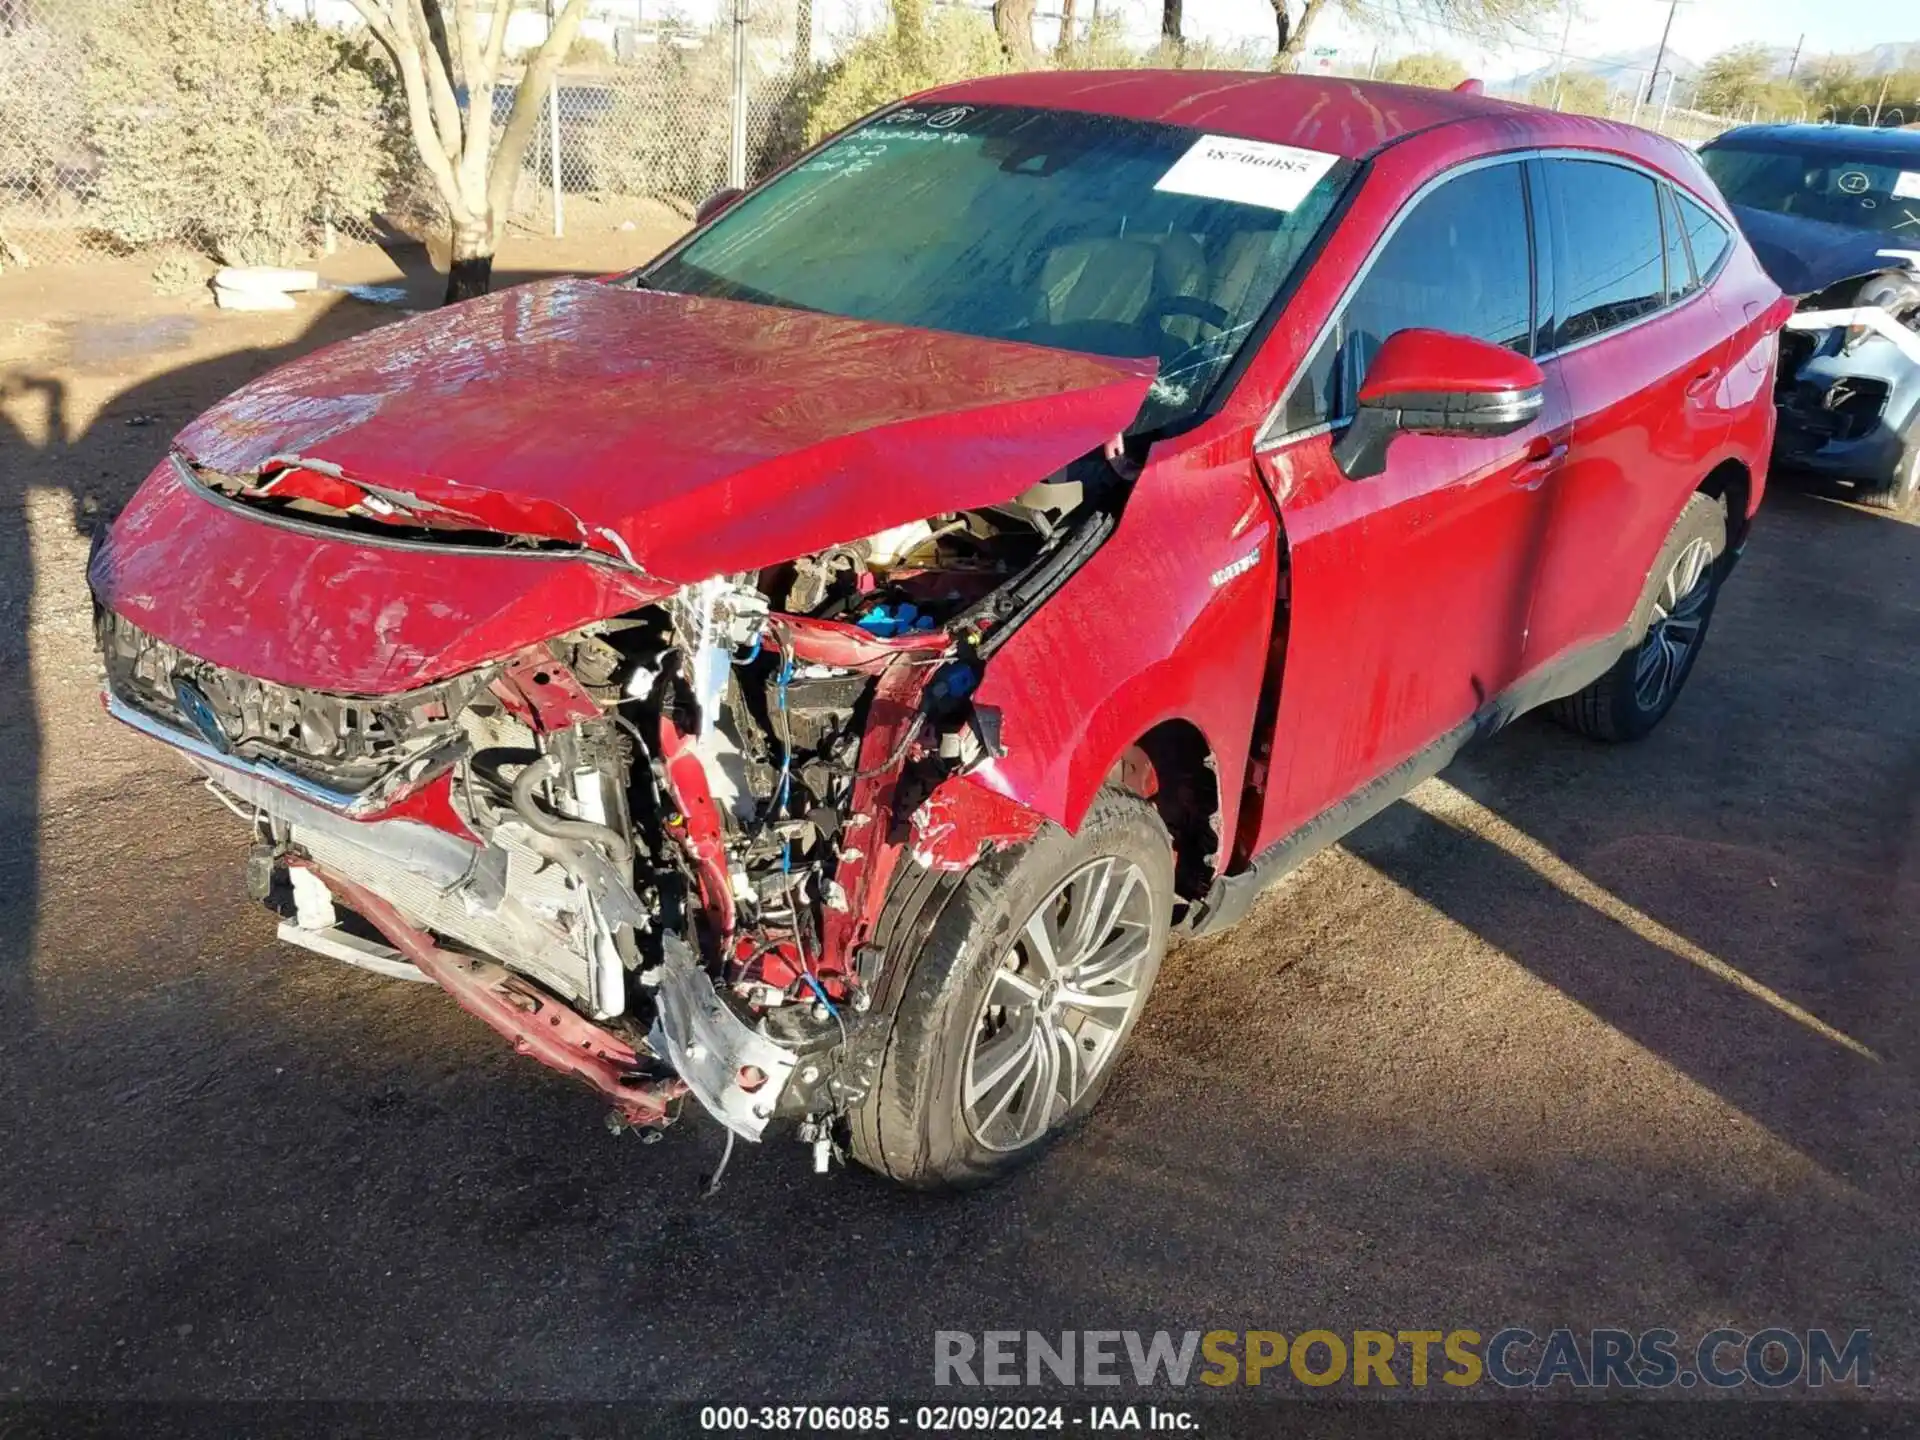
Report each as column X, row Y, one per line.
column 820, row 671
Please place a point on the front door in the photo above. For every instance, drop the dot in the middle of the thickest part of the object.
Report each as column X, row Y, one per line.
column 1409, row 591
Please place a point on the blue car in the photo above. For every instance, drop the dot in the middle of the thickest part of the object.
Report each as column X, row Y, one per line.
column 1833, row 213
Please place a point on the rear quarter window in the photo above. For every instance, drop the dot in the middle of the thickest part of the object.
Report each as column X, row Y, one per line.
column 1707, row 238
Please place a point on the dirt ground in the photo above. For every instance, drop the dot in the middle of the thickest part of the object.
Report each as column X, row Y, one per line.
column 1577, row 1036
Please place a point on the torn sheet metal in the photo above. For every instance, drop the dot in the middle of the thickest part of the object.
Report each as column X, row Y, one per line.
column 962, row 819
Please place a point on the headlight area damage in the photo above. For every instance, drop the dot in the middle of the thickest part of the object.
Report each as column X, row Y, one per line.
column 654, row 851
column 1848, row 384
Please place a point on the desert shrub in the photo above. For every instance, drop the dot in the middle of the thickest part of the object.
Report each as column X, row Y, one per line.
column 1424, row 67
column 1103, row 47
column 1216, row 55
column 588, row 53
column 1579, row 92
column 235, row 135
column 179, row 271
column 913, row 52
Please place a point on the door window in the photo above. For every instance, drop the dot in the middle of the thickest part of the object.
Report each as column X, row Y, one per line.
column 1459, row 262
column 1609, row 263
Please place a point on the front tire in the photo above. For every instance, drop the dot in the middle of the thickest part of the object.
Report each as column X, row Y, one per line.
column 1012, row 1015
column 1899, row 491
column 1671, row 620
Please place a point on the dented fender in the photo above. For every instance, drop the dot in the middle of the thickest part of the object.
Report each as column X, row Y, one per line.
column 1193, row 567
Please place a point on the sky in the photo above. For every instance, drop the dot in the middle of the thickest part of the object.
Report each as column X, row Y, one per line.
column 1701, row 28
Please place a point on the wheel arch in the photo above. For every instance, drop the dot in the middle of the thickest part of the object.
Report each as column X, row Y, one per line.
column 1173, row 768
column 1731, row 483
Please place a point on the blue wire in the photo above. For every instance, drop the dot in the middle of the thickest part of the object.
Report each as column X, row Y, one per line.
column 819, row 994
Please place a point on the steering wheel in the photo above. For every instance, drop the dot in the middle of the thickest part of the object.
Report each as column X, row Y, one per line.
column 1205, row 311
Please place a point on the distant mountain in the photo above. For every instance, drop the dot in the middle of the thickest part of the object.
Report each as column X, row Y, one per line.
column 1622, row 68
column 1883, row 59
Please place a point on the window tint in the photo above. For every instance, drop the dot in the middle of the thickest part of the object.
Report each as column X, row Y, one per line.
column 1681, row 279
column 1608, row 263
column 1706, row 237
column 1459, row 263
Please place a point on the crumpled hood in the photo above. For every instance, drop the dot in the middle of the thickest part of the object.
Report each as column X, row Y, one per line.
column 693, row 436
column 1804, row 256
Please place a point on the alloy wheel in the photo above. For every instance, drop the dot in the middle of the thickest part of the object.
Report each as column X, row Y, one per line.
column 1059, row 1003
column 1679, row 620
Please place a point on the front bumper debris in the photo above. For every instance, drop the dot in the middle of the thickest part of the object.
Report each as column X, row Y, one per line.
column 735, row 1072
column 538, row 1025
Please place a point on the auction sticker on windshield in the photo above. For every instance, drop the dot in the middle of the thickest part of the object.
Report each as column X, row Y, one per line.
column 1248, row 172
column 1907, row 187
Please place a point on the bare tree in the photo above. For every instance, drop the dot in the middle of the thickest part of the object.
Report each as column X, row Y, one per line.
column 1170, row 17
column 436, row 48
column 1069, row 17
column 1013, row 22
column 1474, row 19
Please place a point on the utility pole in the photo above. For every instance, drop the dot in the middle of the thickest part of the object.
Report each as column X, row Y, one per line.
column 737, row 140
column 553, row 127
column 1794, row 63
column 1560, row 65
column 1673, row 8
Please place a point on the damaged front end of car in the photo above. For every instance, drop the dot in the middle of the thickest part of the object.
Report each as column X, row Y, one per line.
column 654, row 851
column 1847, row 388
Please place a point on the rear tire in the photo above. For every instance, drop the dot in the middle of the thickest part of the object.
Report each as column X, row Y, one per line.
column 1898, row 492
column 1010, row 1019
column 1671, row 622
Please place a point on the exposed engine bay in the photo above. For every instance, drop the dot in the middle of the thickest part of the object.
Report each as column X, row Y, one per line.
column 654, row 851
column 1848, row 385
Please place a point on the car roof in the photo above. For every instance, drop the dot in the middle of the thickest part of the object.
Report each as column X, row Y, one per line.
column 1856, row 141
column 1352, row 118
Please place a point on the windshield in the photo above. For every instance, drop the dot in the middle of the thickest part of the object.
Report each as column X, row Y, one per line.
column 1081, row 232
column 1817, row 183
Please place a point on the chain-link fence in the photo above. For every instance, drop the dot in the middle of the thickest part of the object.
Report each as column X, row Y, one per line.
column 46, row 167
column 671, row 114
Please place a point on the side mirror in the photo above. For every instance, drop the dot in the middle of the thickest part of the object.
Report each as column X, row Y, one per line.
column 716, row 202
column 1428, row 382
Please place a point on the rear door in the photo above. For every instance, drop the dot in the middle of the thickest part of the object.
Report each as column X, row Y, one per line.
column 1642, row 353
column 1409, row 590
